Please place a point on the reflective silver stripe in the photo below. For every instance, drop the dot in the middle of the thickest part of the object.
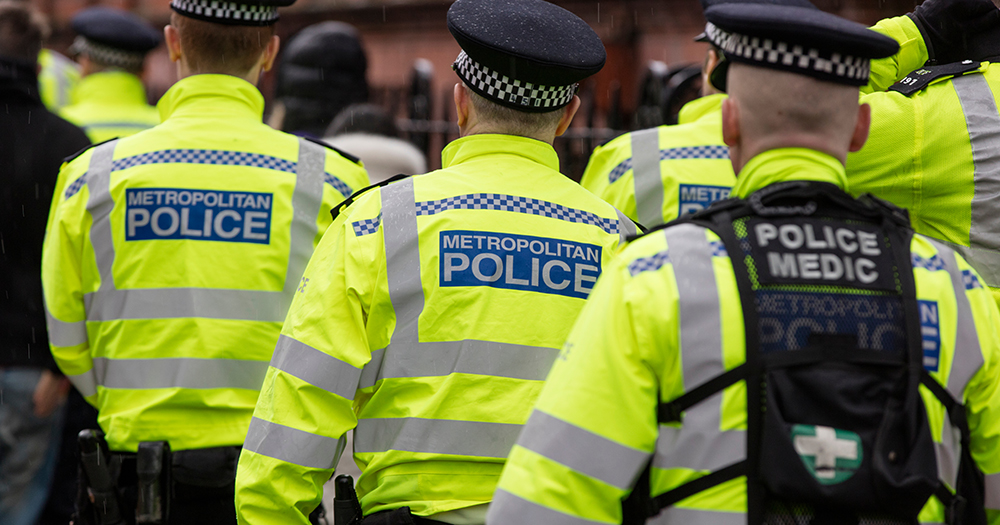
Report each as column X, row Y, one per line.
column 625, row 227
column 139, row 374
column 678, row 515
column 968, row 357
column 292, row 445
column 466, row 357
column 582, row 450
column 62, row 333
column 402, row 254
column 369, row 374
column 986, row 261
column 948, row 453
column 306, row 201
column 983, row 123
column 992, row 490
column 699, row 443
column 109, row 303
column 315, row 367
column 435, row 436
column 646, row 177
column 86, row 383
column 172, row 303
column 510, row 508
column 99, row 204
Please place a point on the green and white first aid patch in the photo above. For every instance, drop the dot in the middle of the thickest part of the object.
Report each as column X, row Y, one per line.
column 831, row 455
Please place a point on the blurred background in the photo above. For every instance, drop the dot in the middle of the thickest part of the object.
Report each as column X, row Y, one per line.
column 652, row 67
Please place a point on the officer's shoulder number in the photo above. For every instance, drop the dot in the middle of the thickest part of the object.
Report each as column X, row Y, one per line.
column 922, row 77
column 342, row 153
column 73, row 157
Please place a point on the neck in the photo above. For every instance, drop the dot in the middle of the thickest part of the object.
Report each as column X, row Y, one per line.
column 744, row 153
column 185, row 70
column 475, row 128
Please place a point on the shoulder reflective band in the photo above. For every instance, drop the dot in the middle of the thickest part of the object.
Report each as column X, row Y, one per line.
column 646, row 177
column 109, row 303
column 983, row 121
column 699, row 443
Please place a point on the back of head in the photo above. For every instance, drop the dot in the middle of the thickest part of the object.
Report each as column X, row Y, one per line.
column 113, row 39
column 22, row 30
column 322, row 71
column 225, row 49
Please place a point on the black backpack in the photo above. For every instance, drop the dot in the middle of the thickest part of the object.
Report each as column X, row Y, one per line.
column 837, row 432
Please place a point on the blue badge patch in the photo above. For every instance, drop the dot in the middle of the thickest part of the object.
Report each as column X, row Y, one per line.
column 788, row 319
column 519, row 262
column 695, row 197
column 203, row 215
column 930, row 334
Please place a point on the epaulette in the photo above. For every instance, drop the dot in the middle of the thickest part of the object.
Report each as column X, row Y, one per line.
column 82, row 151
column 350, row 200
column 922, row 77
column 342, row 153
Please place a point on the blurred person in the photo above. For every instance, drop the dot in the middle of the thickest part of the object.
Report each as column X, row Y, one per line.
column 321, row 71
column 170, row 263
column 719, row 376
column 436, row 304
column 110, row 100
column 367, row 131
column 32, row 388
column 57, row 78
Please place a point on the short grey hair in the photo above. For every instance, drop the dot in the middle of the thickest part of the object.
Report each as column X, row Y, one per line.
column 512, row 121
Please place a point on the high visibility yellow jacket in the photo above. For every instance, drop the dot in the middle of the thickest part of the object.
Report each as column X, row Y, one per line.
column 109, row 105
column 57, row 78
column 934, row 153
column 427, row 320
column 655, row 175
column 665, row 317
column 172, row 259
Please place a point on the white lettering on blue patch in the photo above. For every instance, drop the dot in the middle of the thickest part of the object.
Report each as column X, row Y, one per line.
column 930, row 334
column 695, row 197
column 518, row 262
column 204, row 215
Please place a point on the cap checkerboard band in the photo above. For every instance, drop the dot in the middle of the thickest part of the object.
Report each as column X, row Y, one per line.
column 497, row 87
column 227, row 11
column 834, row 66
column 107, row 55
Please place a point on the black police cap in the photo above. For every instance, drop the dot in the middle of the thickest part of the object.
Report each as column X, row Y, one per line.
column 797, row 39
column 706, row 4
column 524, row 54
column 232, row 12
column 116, row 29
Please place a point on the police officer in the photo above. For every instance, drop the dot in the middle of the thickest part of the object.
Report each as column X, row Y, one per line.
column 110, row 100
column 656, row 175
column 173, row 256
column 435, row 305
column 792, row 355
column 57, row 77
column 933, row 149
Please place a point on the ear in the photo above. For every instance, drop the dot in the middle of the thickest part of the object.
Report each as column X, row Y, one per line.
column 173, row 40
column 568, row 113
column 462, row 104
column 731, row 123
column 861, row 128
column 271, row 52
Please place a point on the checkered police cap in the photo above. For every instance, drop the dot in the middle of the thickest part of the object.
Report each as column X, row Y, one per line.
column 233, row 12
column 797, row 39
column 107, row 55
column 529, row 55
column 509, row 92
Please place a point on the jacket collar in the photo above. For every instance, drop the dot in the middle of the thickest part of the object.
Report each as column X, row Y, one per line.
column 222, row 96
column 18, row 81
column 787, row 164
column 701, row 107
column 467, row 148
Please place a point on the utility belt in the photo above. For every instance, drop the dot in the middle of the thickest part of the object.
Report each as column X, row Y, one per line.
column 111, row 483
column 347, row 509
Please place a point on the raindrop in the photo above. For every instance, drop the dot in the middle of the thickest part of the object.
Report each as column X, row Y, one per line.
column 598, row 12
column 29, row 117
column 383, row 13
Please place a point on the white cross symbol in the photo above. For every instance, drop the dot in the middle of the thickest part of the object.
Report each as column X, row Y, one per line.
column 827, row 448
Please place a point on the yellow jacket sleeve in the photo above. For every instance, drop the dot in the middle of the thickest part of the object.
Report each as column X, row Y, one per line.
column 63, row 266
column 912, row 54
column 307, row 400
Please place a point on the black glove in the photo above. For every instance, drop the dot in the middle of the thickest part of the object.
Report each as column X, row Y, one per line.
column 948, row 25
